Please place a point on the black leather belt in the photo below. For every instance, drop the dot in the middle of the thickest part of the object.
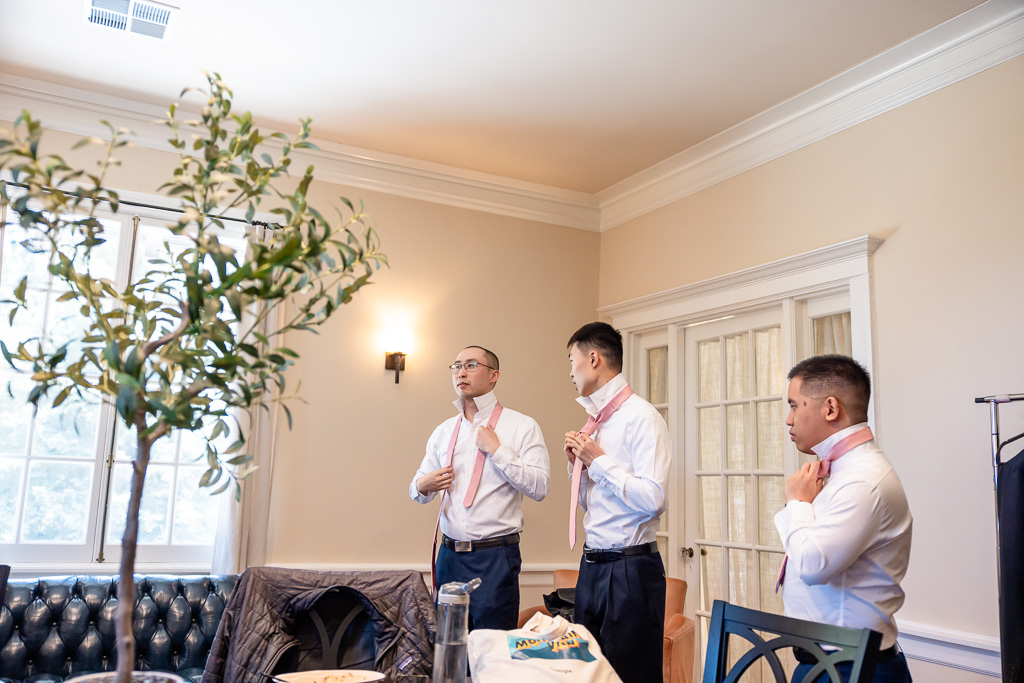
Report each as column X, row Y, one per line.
column 805, row 657
column 593, row 555
column 470, row 546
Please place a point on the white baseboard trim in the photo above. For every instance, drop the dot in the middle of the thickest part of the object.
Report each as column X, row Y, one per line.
column 955, row 649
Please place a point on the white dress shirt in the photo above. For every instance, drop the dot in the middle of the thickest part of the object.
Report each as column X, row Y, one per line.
column 849, row 549
column 623, row 491
column 519, row 466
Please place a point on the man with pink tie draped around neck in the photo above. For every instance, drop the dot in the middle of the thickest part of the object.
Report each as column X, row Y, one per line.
column 481, row 462
column 847, row 538
column 621, row 461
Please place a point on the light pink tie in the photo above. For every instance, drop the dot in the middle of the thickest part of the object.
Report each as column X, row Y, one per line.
column 474, row 484
column 845, row 445
column 577, row 469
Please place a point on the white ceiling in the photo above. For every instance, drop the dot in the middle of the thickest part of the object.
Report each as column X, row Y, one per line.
column 577, row 95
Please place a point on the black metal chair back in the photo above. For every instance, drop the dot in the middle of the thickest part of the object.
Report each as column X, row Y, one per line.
column 768, row 633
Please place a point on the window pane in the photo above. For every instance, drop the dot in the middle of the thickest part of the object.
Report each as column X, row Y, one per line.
column 154, row 511
column 771, row 499
column 741, row 503
column 710, row 491
column 737, row 352
column 770, row 435
column 28, row 324
column 70, row 430
column 737, row 419
column 127, row 446
column 10, row 493
column 709, row 438
column 19, row 261
column 194, row 509
column 57, row 502
column 740, row 570
column 770, row 565
column 193, row 446
column 657, row 374
column 709, row 371
column 832, row 334
column 710, row 576
column 15, row 415
column 64, row 324
column 768, row 361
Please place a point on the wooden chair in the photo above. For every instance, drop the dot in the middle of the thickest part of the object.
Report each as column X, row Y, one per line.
column 680, row 637
column 767, row 633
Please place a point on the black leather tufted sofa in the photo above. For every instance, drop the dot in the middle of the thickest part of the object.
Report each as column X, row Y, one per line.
column 52, row 628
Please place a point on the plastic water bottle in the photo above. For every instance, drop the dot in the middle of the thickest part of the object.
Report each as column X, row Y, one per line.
column 452, row 630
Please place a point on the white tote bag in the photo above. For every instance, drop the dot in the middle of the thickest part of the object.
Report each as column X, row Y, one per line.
column 545, row 649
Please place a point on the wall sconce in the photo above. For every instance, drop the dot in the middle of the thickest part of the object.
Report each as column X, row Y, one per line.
column 397, row 344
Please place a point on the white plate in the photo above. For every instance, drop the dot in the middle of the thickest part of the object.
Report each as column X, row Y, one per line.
column 332, row 676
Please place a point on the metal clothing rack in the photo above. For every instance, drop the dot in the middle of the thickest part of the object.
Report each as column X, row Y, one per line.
column 997, row 447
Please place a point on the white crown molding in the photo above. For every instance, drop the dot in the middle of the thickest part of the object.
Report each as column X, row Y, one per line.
column 983, row 37
column 810, row 271
column 79, row 112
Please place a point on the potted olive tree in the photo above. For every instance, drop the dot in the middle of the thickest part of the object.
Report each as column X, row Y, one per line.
column 199, row 337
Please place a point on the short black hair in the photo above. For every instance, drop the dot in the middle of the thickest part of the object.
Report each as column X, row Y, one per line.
column 603, row 338
column 838, row 376
column 489, row 356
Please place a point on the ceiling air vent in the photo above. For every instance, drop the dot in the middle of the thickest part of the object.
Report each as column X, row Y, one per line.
column 134, row 16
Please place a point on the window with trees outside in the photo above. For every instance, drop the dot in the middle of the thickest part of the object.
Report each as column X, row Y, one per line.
column 65, row 470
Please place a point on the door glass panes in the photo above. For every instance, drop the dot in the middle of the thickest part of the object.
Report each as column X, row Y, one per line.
column 709, row 438
column 770, row 563
column 657, row 375
column 709, row 380
column 740, row 504
column 768, row 372
column 711, row 585
column 831, row 334
column 737, row 437
column 710, row 507
column 771, row 434
column 739, row 416
column 737, row 368
column 771, row 496
column 740, row 566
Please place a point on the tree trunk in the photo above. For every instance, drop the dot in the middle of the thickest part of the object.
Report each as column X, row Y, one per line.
column 126, row 582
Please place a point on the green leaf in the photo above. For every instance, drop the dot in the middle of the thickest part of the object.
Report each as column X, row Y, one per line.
column 62, row 395
column 240, row 460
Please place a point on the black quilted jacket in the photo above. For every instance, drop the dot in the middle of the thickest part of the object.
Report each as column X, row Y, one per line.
column 257, row 624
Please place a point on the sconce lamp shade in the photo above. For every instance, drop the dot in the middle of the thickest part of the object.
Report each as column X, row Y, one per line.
column 397, row 343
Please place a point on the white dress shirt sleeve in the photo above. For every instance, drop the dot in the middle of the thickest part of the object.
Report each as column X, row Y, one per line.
column 524, row 463
column 650, row 456
column 437, row 451
column 822, row 546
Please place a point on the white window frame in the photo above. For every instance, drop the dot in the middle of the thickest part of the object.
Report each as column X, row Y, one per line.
column 41, row 559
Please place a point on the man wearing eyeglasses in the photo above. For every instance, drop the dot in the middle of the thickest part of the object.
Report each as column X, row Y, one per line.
column 482, row 462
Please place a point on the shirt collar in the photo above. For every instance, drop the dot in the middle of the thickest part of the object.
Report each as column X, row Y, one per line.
column 600, row 398
column 484, row 404
column 822, row 449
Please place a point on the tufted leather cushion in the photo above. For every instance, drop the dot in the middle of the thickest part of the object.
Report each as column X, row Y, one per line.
column 51, row 628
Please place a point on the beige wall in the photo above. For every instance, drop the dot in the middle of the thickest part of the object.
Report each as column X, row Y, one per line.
column 458, row 277
column 942, row 180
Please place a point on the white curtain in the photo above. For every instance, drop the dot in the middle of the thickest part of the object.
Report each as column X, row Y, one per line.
column 241, row 539
column 832, row 334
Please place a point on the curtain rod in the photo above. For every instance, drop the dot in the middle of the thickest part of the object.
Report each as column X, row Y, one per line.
column 142, row 205
column 1000, row 398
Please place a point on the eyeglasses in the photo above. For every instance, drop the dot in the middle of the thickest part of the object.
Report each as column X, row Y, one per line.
column 470, row 367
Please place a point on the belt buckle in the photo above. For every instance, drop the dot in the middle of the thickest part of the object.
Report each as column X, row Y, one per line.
column 463, row 546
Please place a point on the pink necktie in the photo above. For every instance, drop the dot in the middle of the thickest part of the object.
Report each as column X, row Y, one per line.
column 474, row 484
column 577, row 469
column 845, row 445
